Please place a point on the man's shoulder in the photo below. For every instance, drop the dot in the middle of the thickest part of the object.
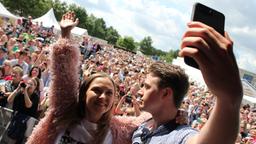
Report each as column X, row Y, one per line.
column 184, row 130
column 181, row 134
column 177, row 136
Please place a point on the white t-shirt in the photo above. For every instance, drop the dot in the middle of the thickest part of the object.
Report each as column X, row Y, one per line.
column 81, row 132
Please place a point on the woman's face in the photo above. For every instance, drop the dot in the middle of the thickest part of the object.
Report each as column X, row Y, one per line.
column 7, row 67
column 35, row 72
column 31, row 85
column 99, row 96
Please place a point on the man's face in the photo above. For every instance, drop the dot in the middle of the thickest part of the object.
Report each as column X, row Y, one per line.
column 2, row 54
column 151, row 94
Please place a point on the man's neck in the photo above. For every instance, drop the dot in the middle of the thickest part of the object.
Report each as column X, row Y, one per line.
column 164, row 116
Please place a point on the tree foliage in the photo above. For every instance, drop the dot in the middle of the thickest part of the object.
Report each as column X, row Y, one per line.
column 59, row 8
column 169, row 56
column 34, row 8
column 81, row 14
column 111, row 35
column 127, row 42
column 146, row 46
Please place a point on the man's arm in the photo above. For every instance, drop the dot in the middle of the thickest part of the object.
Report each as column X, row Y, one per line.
column 214, row 54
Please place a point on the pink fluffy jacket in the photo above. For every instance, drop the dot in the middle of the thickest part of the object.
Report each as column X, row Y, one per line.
column 64, row 87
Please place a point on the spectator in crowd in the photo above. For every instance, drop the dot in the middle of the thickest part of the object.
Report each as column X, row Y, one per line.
column 3, row 54
column 20, row 61
column 11, row 85
column 45, row 72
column 128, row 105
column 1, row 73
column 25, row 100
column 7, row 70
column 35, row 72
column 11, row 44
column 84, row 44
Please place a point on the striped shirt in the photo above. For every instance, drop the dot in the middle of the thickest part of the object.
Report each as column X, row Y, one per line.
column 177, row 136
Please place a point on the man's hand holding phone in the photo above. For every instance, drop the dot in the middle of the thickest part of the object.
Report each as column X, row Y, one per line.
column 213, row 52
column 210, row 17
column 214, row 55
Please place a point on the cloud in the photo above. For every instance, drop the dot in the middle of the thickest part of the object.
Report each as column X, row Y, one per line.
column 165, row 21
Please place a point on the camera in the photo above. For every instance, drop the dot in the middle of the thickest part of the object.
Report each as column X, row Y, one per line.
column 23, row 85
column 128, row 99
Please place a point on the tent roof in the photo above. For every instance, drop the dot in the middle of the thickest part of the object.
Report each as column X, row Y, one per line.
column 49, row 20
column 79, row 31
column 5, row 12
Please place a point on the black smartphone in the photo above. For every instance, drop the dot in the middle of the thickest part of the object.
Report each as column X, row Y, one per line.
column 210, row 17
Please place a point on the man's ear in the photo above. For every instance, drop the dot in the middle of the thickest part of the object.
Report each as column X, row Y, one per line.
column 168, row 92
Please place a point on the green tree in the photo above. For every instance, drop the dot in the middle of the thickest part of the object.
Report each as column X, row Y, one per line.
column 90, row 24
column 59, row 9
column 146, row 46
column 127, row 42
column 158, row 52
column 34, row 8
column 111, row 35
column 81, row 14
column 99, row 28
column 168, row 57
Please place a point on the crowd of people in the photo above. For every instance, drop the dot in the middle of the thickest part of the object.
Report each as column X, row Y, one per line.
column 25, row 61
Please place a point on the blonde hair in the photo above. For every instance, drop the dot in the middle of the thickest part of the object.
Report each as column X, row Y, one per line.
column 18, row 70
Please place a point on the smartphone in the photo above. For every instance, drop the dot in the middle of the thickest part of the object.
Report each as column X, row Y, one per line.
column 210, row 17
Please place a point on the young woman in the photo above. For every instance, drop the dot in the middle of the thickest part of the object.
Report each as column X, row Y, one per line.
column 25, row 100
column 88, row 119
column 35, row 72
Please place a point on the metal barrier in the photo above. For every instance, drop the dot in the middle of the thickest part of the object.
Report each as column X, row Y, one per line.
column 5, row 120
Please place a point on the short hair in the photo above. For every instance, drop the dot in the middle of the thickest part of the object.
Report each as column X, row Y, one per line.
column 18, row 70
column 7, row 62
column 171, row 76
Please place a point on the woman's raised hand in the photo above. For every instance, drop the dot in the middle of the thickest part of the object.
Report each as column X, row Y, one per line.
column 67, row 23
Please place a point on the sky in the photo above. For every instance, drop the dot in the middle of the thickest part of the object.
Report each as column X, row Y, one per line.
column 165, row 22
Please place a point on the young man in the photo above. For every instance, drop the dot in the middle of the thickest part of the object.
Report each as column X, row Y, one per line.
column 166, row 85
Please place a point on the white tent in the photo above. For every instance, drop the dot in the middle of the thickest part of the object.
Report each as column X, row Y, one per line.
column 49, row 20
column 79, row 31
column 193, row 73
column 4, row 12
